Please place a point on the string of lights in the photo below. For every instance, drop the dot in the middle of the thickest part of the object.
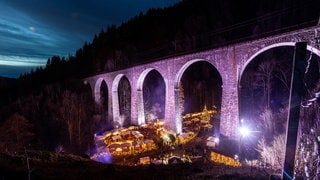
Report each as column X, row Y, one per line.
column 313, row 97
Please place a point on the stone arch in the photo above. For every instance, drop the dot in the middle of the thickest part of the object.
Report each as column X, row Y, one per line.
column 115, row 98
column 96, row 91
column 185, row 67
column 101, row 106
column 309, row 48
column 177, row 80
column 142, row 77
column 154, row 96
column 140, row 102
column 245, row 65
column 104, row 100
column 124, row 98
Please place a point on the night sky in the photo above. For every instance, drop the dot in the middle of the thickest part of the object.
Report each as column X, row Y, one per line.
column 33, row 31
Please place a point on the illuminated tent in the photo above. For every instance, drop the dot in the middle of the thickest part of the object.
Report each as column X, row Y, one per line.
column 126, row 146
column 137, row 145
column 113, row 147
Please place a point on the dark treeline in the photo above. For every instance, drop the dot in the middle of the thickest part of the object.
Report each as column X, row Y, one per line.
column 58, row 114
column 189, row 25
column 43, row 97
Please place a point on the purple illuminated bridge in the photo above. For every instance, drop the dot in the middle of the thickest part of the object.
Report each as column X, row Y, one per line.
column 230, row 62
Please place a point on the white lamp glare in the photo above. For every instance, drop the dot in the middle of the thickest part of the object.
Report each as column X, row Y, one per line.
column 244, row 131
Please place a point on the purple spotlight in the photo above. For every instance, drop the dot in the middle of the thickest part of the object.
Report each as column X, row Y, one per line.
column 104, row 157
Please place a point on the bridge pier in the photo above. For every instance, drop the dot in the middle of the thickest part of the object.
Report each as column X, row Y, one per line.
column 172, row 109
column 229, row 120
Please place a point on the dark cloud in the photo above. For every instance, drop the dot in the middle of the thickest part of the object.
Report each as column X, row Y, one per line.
column 40, row 29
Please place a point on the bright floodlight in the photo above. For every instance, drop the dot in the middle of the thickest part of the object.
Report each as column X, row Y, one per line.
column 216, row 140
column 244, row 131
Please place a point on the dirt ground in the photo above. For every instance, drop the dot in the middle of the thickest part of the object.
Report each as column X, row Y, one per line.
column 47, row 165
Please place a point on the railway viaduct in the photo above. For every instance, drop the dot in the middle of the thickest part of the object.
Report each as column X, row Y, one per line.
column 230, row 61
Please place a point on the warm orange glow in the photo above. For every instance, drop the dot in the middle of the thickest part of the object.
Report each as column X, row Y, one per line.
column 136, row 140
column 132, row 140
column 222, row 159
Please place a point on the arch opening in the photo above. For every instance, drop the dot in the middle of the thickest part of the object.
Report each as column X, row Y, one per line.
column 153, row 90
column 102, row 121
column 124, row 90
column 104, row 101
column 264, row 89
column 121, row 101
column 199, row 87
